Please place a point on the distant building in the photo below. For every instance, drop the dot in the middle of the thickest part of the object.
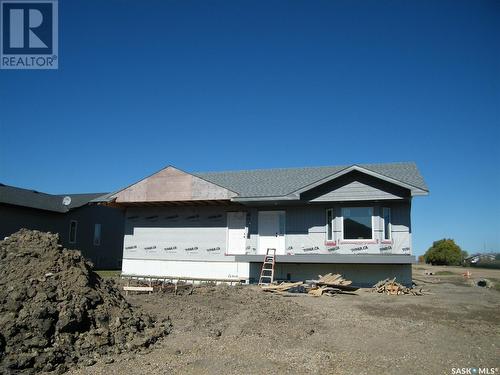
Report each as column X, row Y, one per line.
column 476, row 258
column 95, row 230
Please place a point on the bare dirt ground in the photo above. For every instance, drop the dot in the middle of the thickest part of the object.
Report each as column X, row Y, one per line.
column 242, row 330
column 455, row 274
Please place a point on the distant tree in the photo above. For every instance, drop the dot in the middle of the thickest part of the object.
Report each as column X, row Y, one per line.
column 421, row 259
column 444, row 252
column 465, row 255
column 497, row 257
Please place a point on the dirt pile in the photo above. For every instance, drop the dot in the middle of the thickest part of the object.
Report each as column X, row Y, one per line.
column 56, row 312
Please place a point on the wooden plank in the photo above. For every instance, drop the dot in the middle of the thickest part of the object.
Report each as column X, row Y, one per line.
column 138, row 288
column 317, row 292
column 281, row 287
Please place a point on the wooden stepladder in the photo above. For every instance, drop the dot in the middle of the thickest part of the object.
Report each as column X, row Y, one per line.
column 267, row 272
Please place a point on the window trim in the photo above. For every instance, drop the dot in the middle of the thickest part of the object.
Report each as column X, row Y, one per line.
column 389, row 238
column 97, row 240
column 329, row 225
column 70, row 240
column 372, row 222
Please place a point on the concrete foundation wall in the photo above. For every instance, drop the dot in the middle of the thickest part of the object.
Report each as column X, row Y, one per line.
column 362, row 275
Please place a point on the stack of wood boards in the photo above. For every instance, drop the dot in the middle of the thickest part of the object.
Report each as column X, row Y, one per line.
column 336, row 281
column 326, row 285
column 393, row 288
column 284, row 287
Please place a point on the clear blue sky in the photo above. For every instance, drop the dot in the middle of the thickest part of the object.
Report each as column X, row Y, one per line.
column 215, row 85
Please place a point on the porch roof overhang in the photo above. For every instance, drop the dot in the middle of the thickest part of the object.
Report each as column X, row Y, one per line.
column 333, row 258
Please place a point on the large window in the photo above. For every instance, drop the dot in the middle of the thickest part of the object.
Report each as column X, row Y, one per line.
column 357, row 223
column 72, row 231
column 386, row 215
column 329, row 228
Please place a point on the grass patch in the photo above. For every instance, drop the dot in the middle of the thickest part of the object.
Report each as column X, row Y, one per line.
column 106, row 274
column 445, row 273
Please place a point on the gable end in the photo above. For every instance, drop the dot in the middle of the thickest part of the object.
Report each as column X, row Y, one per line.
column 355, row 186
column 172, row 185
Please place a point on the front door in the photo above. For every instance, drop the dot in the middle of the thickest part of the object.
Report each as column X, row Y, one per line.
column 236, row 232
column 272, row 231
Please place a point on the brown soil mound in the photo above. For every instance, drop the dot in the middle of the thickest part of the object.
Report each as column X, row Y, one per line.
column 56, row 312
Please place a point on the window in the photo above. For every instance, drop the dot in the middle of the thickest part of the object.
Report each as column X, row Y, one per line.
column 386, row 215
column 357, row 223
column 249, row 225
column 72, row 231
column 281, row 222
column 329, row 227
column 97, row 234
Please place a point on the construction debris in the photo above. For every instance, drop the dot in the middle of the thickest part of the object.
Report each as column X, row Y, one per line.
column 336, row 281
column 393, row 288
column 323, row 290
column 330, row 279
column 283, row 287
column 328, row 285
column 57, row 312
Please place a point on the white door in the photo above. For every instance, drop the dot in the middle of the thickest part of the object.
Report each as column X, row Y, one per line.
column 272, row 231
column 236, row 232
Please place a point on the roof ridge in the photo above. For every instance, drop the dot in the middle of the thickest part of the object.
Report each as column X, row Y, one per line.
column 305, row 167
column 26, row 190
column 257, row 170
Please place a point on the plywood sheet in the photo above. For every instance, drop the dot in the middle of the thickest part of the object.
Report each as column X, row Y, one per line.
column 172, row 184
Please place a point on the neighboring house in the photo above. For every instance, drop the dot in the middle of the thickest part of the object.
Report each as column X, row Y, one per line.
column 354, row 220
column 95, row 230
column 476, row 258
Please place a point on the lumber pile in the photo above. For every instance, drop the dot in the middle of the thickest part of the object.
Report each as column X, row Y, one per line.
column 283, row 287
column 327, row 285
column 330, row 284
column 300, row 287
column 333, row 280
column 393, row 288
column 319, row 291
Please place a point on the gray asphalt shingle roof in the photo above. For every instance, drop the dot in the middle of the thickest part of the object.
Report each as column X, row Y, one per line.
column 283, row 181
column 277, row 182
column 42, row 201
